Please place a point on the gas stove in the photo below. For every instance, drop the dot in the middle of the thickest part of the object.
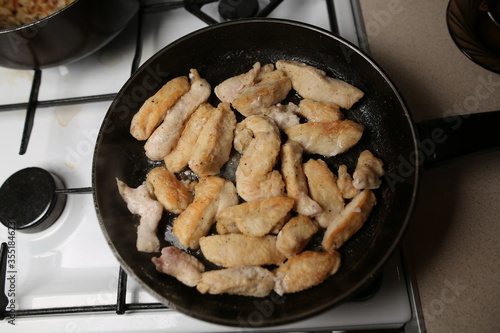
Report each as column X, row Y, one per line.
column 64, row 277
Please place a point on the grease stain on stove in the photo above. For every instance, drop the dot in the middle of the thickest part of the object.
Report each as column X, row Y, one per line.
column 65, row 114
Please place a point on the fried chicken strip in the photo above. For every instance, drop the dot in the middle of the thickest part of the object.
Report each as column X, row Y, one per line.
column 313, row 83
column 270, row 90
column 295, row 180
column 349, row 221
column 323, row 189
column 305, row 270
column 214, row 143
column 319, row 112
column 368, row 171
column 165, row 137
column 242, row 280
column 233, row 250
column 179, row 264
column 295, row 235
column 154, row 109
column 258, row 139
column 256, row 218
column 212, row 195
column 327, row 139
column 168, row 190
column 178, row 159
column 140, row 201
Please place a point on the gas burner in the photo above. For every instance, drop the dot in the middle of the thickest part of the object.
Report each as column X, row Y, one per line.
column 236, row 9
column 29, row 201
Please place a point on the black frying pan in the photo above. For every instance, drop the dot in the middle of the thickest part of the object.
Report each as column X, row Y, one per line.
column 227, row 49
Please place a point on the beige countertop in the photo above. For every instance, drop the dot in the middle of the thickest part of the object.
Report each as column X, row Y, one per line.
column 454, row 235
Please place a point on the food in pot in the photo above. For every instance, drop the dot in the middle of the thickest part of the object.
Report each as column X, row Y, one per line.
column 15, row 13
column 168, row 190
column 257, row 230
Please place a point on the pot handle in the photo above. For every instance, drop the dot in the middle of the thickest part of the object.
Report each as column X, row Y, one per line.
column 446, row 138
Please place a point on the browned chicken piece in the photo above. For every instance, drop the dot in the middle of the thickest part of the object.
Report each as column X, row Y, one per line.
column 258, row 139
column 295, row 235
column 140, row 201
column 212, row 195
column 215, row 142
column 327, row 139
column 305, row 270
column 242, row 280
column 179, row 264
column 256, row 218
column 178, row 159
column 270, row 90
column 344, row 182
column 233, row 250
column 168, row 190
column 295, row 180
column 319, row 112
column 154, row 109
column 350, row 220
column 228, row 89
column 165, row 137
column 283, row 115
column 313, row 83
column 368, row 171
column 323, row 189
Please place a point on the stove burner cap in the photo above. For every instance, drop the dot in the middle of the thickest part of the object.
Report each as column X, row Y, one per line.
column 236, row 9
column 28, row 201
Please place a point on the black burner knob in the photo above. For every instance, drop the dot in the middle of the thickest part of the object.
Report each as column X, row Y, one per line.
column 29, row 202
column 235, row 9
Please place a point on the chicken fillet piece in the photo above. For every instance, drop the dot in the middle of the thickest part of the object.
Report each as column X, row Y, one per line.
column 349, row 221
column 165, row 137
column 168, row 190
column 140, row 201
column 212, row 195
column 327, row 139
column 295, row 235
column 233, row 250
column 178, row 159
column 256, row 218
column 242, row 280
column 368, row 171
column 214, row 143
column 313, row 83
column 305, row 270
column 154, row 109
column 319, row 112
column 258, row 139
column 345, row 183
column 228, row 89
column 272, row 89
column 179, row 264
column 295, row 180
column 323, row 189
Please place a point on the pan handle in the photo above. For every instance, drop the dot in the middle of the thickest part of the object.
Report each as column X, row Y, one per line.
column 446, row 138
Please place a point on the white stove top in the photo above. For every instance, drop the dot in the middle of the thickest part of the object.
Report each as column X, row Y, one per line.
column 70, row 263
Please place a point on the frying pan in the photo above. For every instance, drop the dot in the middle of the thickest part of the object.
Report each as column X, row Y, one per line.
column 65, row 36
column 227, row 49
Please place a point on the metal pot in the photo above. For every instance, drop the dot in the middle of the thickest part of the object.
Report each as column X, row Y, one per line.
column 67, row 35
